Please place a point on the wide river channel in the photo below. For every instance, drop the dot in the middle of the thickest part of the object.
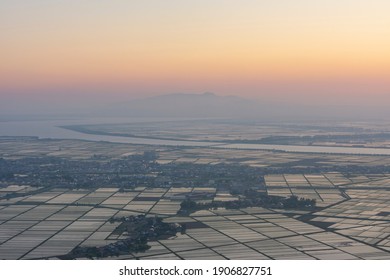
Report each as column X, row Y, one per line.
column 51, row 129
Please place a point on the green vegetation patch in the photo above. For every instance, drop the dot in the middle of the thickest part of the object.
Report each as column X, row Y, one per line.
column 251, row 198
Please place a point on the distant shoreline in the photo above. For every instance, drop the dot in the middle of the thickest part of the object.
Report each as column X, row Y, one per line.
column 245, row 145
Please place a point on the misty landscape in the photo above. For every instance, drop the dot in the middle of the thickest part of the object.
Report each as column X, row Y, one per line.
column 211, row 130
column 176, row 187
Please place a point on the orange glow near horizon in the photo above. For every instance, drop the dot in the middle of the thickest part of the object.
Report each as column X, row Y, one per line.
column 249, row 48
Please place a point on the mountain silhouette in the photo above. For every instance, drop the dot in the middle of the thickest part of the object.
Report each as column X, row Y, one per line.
column 186, row 105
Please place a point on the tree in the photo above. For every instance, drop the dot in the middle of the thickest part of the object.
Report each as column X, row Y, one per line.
column 188, row 204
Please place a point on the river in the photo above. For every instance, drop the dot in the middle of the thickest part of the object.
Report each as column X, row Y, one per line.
column 50, row 129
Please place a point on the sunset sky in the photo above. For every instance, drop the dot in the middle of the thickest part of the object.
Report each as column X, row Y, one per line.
column 110, row 50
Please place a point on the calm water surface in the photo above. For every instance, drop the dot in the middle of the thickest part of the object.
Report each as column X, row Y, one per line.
column 51, row 129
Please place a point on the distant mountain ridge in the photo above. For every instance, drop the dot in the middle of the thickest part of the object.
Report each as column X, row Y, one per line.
column 186, row 105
